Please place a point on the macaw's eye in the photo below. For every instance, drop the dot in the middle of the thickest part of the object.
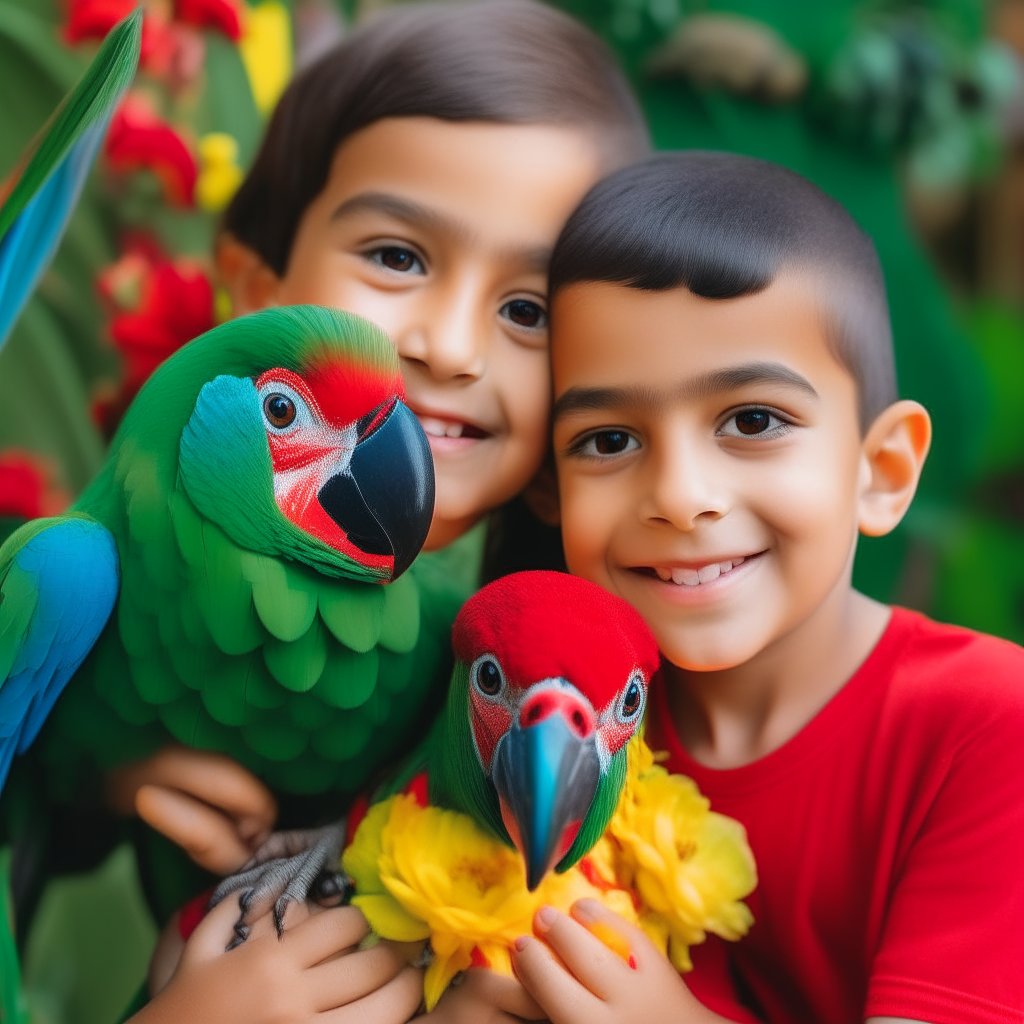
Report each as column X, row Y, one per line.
column 632, row 701
column 279, row 409
column 488, row 677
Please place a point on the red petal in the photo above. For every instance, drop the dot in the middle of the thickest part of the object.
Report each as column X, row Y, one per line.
column 223, row 15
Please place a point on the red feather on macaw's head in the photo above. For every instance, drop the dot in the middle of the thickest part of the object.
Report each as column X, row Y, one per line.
column 544, row 625
column 346, row 389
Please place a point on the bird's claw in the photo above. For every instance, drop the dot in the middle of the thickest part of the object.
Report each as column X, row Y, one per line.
column 289, row 867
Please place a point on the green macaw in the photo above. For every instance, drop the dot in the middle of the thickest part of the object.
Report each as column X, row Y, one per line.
column 219, row 582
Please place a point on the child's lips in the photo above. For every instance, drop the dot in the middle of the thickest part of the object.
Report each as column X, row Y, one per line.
column 447, row 433
column 698, row 581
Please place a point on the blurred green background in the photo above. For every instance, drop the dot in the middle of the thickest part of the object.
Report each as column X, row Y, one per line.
column 911, row 114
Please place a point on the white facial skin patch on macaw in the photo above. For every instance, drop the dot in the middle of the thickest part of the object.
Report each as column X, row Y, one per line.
column 306, row 451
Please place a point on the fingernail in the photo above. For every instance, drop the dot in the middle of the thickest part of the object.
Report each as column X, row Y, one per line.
column 586, row 911
column 522, row 942
column 545, row 918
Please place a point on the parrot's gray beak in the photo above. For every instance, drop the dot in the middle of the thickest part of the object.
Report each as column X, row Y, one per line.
column 546, row 770
column 384, row 499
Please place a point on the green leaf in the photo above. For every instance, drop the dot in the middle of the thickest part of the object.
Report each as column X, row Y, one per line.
column 353, row 612
column 401, row 626
column 297, row 665
column 285, row 600
column 348, row 677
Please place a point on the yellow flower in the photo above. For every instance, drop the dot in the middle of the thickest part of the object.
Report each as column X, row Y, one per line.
column 219, row 173
column 689, row 866
column 426, row 872
column 266, row 49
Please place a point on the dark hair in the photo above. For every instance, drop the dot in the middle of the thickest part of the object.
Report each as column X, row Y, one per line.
column 504, row 61
column 723, row 225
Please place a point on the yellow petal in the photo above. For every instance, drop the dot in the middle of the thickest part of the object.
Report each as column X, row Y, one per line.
column 266, row 50
column 390, row 920
column 439, row 975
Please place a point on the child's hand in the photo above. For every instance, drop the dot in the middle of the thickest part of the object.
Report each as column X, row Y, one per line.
column 593, row 985
column 214, row 809
column 313, row 974
column 483, row 997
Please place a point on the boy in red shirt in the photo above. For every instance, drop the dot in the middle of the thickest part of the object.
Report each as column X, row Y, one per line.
column 726, row 422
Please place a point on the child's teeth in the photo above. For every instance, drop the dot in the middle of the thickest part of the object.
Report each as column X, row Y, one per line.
column 709, row 573
column 453, row 430
column 663, row 574
column 434, row 427
column 687, row 577
column 724, row 566
column 737, row 561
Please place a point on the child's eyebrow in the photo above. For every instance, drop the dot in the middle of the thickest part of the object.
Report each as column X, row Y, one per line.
column 580, row 399
column 534, row 258
column 401, row 209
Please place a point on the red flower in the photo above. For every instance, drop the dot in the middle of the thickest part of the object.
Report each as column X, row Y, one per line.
column 158, row 306
column 138, row 138
column 223, row 15
column 93, row 19
column 27, row 490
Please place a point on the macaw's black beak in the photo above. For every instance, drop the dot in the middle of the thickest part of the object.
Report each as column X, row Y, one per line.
column 384, row 499
column 546, row 772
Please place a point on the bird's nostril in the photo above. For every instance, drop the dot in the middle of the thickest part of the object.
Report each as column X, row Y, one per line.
column 579, row 722
column 533, row 714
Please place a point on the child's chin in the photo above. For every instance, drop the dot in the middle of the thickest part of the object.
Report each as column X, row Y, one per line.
column 708, row 649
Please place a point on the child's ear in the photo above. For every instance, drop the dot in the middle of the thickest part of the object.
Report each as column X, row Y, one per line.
column 249, row 282
column 541, row 495
column 893, row 455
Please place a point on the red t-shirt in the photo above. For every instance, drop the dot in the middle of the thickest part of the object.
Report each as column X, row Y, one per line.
column 889, row 839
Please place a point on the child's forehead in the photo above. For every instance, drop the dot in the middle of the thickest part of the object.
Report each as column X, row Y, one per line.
column 675, row 343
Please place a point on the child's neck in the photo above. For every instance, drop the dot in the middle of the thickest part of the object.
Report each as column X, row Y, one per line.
column 734, row 716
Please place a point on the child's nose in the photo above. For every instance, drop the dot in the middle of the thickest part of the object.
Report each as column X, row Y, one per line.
column 447, row 338
column 686, row 489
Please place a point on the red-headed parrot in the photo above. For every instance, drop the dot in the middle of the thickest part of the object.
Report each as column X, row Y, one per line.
column 549, row 685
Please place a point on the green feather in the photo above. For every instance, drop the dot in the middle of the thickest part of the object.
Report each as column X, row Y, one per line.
column 109, row 74
column 297, row 666
column 353, row 613
column 285, row 600
column 348, row 678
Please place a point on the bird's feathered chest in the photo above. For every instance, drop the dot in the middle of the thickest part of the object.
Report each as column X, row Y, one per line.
column 310, row 681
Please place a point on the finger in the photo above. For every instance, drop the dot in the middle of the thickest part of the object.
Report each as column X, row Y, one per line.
column 348, row 978
column 585, row 955
column 502, row 993
column 214, row 932
column 220, row 782
column 627, row 940
column 393, row 1003
column 209, row 837
column 326, row 933
column 554, row 988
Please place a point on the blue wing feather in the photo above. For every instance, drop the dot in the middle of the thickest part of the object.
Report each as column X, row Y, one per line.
column 32, row 240
column 71, row 571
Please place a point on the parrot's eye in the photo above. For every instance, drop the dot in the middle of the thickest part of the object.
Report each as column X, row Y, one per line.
column 632, row 700
column 279, row 410
column 487, row 676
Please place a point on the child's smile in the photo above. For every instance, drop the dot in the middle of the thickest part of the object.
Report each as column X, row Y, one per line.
column 441, row 232
column 711, row 485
